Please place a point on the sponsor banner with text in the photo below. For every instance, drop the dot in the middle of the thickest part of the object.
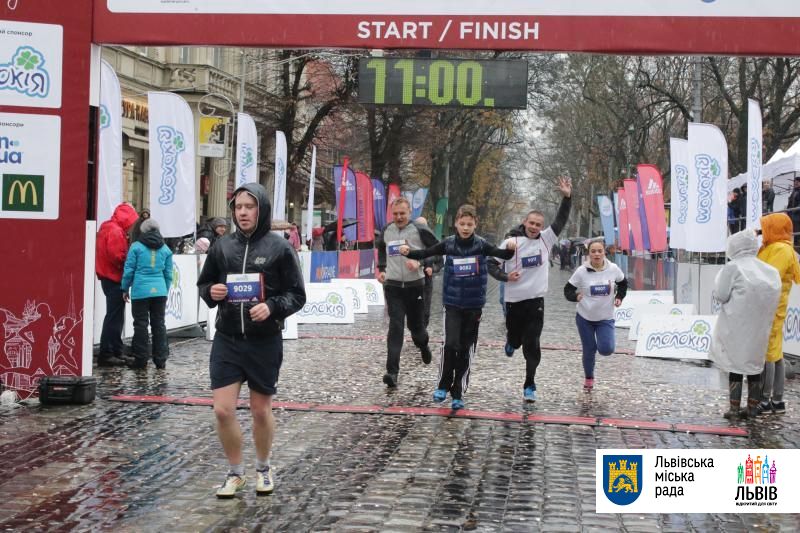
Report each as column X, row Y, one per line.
column 327, row 304
column 30, row 148
column 172, row 164
column 680, row 26
column 31, row 64
column 656, row 309
column 697, row 480
column 623, row 315
column 675, row 336
column 679, row 189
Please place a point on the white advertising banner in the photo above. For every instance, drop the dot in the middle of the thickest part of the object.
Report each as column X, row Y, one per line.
column 697, row 480
column 327, row 305
column 311, row 184
column 290, row 328
column 707, row 304
column 30, row 157
column 279, row 193
column 791, row 326
column 679, row 187
column 359, row 291
column 246, row 150
column 656, row 309
column 623, row 315
column 172, row 164
column 621, row 8
column 109, row 158
column 372, row 288
column 754, row 158
column 675, row 336
column 687, row 284
column 31, row 59
column 706, row 222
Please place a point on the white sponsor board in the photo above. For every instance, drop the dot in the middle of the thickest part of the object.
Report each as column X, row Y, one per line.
column 290, row 328
column 697, row 481
column 373, row 290
column 708, row 304
column 31, row 57
column 358, row 290
column 327, row 305
column 791, row 326
column 656, row 309
column 202, row 308
column 620, row 8
column 305, row 265
column 687, row 284
column 30, row 155
column 675, row 336
column 623, row 315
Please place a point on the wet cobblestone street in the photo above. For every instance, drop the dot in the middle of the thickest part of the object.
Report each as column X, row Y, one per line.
column 153, row 467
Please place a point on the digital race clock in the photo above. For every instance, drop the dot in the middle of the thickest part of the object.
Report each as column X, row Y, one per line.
column 443, row 82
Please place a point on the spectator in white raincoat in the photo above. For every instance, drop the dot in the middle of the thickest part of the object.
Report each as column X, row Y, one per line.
column 749, row 290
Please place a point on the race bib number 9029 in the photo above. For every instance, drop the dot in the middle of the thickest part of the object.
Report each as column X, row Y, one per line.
column 244, row 288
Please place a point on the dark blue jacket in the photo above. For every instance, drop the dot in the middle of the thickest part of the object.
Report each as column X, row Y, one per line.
column 465, row 289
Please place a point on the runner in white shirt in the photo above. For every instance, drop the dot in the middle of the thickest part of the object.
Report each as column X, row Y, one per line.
column 527, row 275
column 598, row 286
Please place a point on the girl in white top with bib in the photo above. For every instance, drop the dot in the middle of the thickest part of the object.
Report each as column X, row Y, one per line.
column 598, row 286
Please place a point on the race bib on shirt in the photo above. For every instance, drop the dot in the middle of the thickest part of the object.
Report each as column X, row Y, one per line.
column 465, row 266
column 532, row 261
column 393, row 247
column 244, row 288
column 600, row 290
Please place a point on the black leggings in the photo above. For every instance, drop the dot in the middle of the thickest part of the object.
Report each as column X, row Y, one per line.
column 404, row 304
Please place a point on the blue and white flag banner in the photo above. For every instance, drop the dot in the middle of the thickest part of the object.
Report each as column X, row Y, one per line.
column 311, row 184
column 418, row 202
column 679, row 192
column 706, row 222
column 606, row 209
column 109, row 159
column 279, row 194
column 172, row 164
column 246, row 150
column 754, row 151
column 664, row 481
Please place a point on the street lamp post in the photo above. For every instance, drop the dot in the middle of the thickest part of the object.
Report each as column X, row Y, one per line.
column 629, row 153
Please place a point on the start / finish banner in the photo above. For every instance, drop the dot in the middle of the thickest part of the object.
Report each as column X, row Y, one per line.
column 680, row 26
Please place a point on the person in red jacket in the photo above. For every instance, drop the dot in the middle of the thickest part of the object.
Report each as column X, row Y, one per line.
column 111, row 248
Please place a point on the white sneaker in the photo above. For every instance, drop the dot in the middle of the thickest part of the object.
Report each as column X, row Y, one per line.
column 233, row 484
column 264, row 482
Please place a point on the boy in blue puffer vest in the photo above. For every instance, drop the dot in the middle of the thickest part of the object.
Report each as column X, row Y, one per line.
column 463, row 297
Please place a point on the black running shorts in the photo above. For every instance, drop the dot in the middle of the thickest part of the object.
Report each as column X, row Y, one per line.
column 256, row 361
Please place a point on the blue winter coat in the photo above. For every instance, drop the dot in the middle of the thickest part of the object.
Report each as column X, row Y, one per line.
column 148, row 267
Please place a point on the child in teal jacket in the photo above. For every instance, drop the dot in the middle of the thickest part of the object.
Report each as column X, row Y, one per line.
column 148, row 276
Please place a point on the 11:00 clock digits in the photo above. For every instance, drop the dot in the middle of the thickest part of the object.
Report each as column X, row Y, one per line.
column 442, row 83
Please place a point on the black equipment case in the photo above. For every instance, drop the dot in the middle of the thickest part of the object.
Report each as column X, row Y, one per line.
column 67, row 389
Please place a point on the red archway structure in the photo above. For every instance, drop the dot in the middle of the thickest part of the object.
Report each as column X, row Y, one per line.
column 47, row 271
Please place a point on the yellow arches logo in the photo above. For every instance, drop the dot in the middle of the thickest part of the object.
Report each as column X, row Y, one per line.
column 23, row 192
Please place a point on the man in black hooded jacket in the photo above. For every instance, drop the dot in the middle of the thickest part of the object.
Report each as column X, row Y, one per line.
column 255, row 280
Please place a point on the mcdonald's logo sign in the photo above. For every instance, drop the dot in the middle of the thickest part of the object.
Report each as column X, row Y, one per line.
column 22, row 192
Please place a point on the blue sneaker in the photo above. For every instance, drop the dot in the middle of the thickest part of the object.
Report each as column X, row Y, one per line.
column 529, row 394
column 439, row 395
column 509, row 349
column 457, row 404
